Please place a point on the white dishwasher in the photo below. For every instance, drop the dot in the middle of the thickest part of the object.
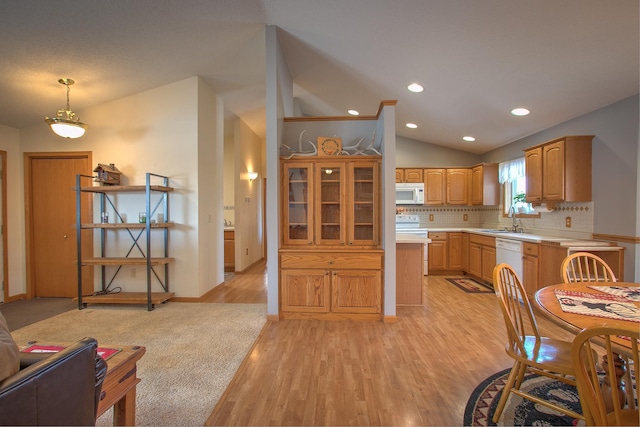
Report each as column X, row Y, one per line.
column 510, row 252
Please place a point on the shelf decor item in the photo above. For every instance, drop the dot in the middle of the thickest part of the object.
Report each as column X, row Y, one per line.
column 329, row 146
column 107, row 174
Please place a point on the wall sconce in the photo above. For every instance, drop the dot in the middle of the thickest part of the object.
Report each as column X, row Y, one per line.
column 252, row 176
column 66, row 124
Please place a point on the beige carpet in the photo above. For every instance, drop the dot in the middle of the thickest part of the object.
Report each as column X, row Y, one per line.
column 193, row 351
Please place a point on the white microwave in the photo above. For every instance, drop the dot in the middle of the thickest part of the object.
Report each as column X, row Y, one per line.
column 410, row 193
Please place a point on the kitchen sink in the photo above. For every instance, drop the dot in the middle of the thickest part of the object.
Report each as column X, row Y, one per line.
column 495, row 231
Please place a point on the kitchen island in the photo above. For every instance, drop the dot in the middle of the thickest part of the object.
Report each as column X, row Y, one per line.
column 409, row 268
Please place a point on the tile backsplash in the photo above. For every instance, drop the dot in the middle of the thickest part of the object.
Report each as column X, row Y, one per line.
column 549, row 223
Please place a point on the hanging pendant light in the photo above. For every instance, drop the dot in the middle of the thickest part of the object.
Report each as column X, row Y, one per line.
column 66, row 124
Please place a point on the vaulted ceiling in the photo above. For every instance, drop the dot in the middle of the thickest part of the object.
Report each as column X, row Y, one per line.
column 476, row 59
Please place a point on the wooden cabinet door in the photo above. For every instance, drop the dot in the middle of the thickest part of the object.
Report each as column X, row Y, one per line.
column 434, row 186
column 553, row 171
column 330, row 204
column 413, row 175
column 457, row 186
column 356, row 291
column 477, row 182
column 488, row 263
column 437, row 255
column 297, row 215
column 363, row 204
column 399, row 175
column 475, row 259
column 465, row 252
column 454, row 241
column 305, row 290
column 530, row 274
column 533, row 172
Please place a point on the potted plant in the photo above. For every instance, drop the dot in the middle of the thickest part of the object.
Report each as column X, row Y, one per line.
column 520, row 201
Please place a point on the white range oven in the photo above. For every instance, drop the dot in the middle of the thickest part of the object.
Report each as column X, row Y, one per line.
column 410, row 224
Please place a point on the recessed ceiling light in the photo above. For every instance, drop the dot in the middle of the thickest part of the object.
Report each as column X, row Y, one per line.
column 411, row 125
column 353, row 112
column 468, row 138
column 415, row 87
column 520, row 111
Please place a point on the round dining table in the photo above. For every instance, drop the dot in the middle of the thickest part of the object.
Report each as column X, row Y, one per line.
column 599, row 305
column 546, row 300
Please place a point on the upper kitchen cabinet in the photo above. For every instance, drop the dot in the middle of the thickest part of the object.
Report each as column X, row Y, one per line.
column 408, row 175
column 559, row 170
column 434, row 186
column 458, row 186
column 485, row 189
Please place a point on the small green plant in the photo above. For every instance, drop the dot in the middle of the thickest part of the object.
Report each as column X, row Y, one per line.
column 520, row 198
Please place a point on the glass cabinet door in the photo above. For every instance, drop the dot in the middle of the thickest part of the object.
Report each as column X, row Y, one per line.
column 364, row 207
column 331, row 225
column 298, row 212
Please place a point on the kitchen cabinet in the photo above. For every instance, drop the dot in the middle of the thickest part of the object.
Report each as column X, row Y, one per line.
column 331, row 202
column 454, row 241
column 330, row 257
column 559, row 170
column 144, row 248
column 482, row 257
column 530, row 265
column 409, row 175
column 552, row 254
column 229, row 250
column 465, row 252
column 435, row 186
column 485, row 189
column 331, row 285
column 457, row 186
column 438, row 252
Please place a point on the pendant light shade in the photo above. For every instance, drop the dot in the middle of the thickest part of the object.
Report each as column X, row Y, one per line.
column 66, row 124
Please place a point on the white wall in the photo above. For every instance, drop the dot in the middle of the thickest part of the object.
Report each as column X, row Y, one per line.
column 155, row 131
column 14, row 223
column 248, row 196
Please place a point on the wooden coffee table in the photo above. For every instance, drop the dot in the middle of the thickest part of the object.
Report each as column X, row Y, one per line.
column 119, row 385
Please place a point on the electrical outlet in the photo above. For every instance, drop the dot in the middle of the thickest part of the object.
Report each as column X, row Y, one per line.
column 568, row 222
column 430, row 217
column 465, row 217
column 246, row 251
column 133, row 272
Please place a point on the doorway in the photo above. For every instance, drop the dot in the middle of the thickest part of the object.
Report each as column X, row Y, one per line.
column 51, row 241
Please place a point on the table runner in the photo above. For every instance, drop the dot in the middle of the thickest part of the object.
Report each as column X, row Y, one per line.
column 599, row 305
column 631, row 293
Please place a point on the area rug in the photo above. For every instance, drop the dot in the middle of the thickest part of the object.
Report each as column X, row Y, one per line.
column 469, row 285
column 518, row 411
column 192, row 351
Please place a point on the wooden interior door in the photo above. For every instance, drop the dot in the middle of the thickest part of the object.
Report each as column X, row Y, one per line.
column 51, row 215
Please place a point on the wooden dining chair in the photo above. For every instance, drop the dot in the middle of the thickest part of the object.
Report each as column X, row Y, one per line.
column 542, row 355
column 593, row 391
column 586, row 267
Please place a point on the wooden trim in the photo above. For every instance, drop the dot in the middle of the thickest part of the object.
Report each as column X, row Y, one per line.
column 17, row 297
column 27, row 159
column 635, row 240
column 390, row 319
column 342, row 118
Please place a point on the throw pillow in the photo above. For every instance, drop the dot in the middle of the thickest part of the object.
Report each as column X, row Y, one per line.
column 9, row 352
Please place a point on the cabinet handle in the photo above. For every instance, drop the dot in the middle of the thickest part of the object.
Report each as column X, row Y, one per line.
column 330, row 262
column 65, row 236
column 326, row 273
column 309, row 242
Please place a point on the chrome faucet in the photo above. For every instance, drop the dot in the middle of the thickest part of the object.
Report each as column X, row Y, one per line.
column 512, row 214
column 225, row 222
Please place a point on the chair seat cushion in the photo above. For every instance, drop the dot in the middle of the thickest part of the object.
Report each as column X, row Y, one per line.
column 9, row 352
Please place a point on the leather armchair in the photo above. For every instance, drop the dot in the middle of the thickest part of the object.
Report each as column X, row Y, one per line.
column 60, row 388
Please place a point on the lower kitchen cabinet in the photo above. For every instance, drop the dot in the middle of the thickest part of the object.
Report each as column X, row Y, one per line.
column 326, row 285
column 454, row 240
column 438, row 252
column 229, row 250
column 530, row 267
column 482, row 257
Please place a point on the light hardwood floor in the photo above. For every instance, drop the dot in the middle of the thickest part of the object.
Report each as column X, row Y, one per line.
column 418, row 371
